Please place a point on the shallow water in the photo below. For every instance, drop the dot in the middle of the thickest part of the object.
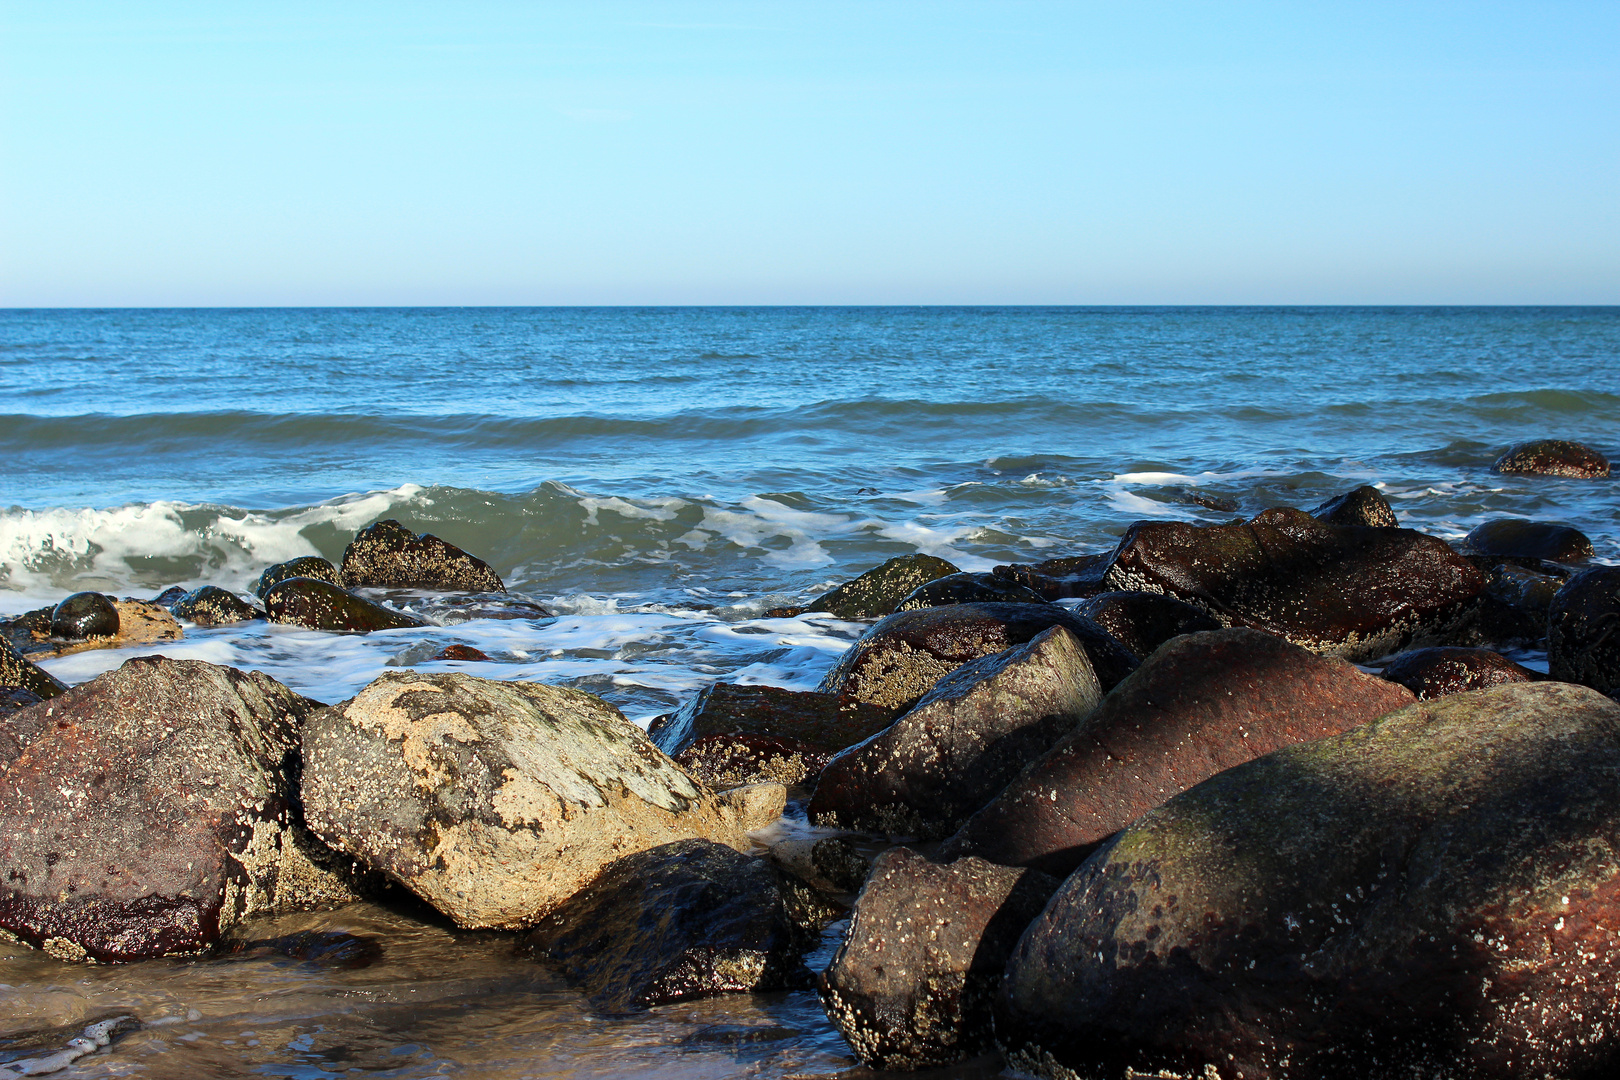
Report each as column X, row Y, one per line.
column 658, row 479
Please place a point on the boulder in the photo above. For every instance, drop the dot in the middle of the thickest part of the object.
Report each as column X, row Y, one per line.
column 902, row 656
column 320, row 605
column 1436, row 672
column 213, row 606
column 1512, row 538
column 147, row 811
column 969, row 589
column 1202, row 703
column 1142, row 621
column 387, row 555
column 817, row 721
column 913, row 983
column 168, row 597
column 84, row 615
column 495, row 801
column 1364, row 505
column 877, row 592
column 1583, row 630
column 310, row 566
column 17, row 671
column 1351, row 591
column 13, row 698
column 1553, row 457
column 683, row 920
column 742, row 757
column 1059, row 579
column 1519, row 587
column 1431, row 895
column 961, row 744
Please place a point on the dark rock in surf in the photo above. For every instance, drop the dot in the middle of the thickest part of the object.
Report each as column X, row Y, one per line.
column 320, row 605
column 1436, row 672
column 459, row 652
column 818, row 721
column 327, row 949
column 147, row 811
column 902, row 656
column 1433, row 894
column 387, row 555
column 877, row 592
column 168, row 597
column 1350, row 591
column 213, row 606
column 1364, row 505
column 1059, row 579
column 961, row 744
column 741, row 757
column 17, row 671
column 1142, row 621
column 1583, row 630
column 1200, row 704
column 310, row 566
column 833, row 865
column 1523, row 588
column 1511, row 538
column 13, row 698
column 969, row 589
column 685, row 920
column 84, row 615
column 1553, row 457
column 913, row 983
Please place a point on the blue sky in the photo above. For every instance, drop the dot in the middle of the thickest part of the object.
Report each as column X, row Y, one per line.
column 873, row 152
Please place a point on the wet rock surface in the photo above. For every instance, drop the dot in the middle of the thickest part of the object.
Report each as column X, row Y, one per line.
column 961, row 744
column 21, row 673
column 969, row 589
column 1553, row 457
column 1436, row 672
column 1142, row 621
column 1432, row 894
column 1059, row 579
column 387, row 555
column 213, row 606
column 310, row 566
column 1351, row 591
column 742, row 757
column 815, row 720
column 878, row 591
column 460, row 652
column 1364, row 505
column 902, row 656
column 914, row 981
column 682, row 920
column 1513, row 538
column 495, row 801
column 1202, row 703
column 320, row 605
column 84, row 615
column 145, row 812
column 13, row 698
column 1583, row 630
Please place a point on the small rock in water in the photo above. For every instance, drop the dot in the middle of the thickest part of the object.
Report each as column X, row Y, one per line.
column 320, row 605
column 310, row 566
column 1059, row 579
column 1436, row 672
column 1142, row 621
column 816, row 720
column 213, row 606
column 1511, row 538
column 168, row 597
column 331, row 948
column 459, row 652
column 1553, row 457
column 19, row 672
column 969, row 589
column 84, row 615
column 1364, row 505
column 878, row 591
column 387, row 555
column 1583, row 630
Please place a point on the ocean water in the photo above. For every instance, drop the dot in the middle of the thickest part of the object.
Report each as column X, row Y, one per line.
column 659, row 478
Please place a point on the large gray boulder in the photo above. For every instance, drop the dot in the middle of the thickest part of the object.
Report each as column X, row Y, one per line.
column 149, row 810
column 495, row 801
column 1433, row 894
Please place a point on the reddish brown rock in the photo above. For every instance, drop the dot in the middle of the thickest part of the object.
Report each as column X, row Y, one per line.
column 1059, row 579
column 1431, row 895
column 1351, row 591
column 387, row 555
column 1201, row 704
column 1583, row 630
column 459, row 652
column 1362, row 506
column 1512, row 538
column 1432, row 673
column 1142, row 621
column 1553, row 457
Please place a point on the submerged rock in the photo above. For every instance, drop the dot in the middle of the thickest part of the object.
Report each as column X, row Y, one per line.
column 961, row 744
column 1511, row 538
column 1432, row 673
column 1433, row 894
column 495, row 801
column 213, row 606
column 310, row 566
column 1350, row 591
column 683, row 920
column 878, row 591
column 145, row 812
column 17, row 671
column 913, row 983
column 1364, row 505
column 1553, row 457
column 1583, row 630
column 1142, row 621
column 320, row 605
column 387, row 555
column 84, row 615
column 969, row 589
column 1059, row 579
column 1202, row 703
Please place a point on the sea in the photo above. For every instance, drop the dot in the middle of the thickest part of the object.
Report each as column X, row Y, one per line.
column 659, row 479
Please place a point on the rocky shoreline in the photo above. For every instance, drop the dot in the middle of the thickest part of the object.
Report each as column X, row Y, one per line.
column 1147, row 815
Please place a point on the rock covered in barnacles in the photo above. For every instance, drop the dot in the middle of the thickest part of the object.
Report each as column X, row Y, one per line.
column 877, row 592
column 387, row 555
column 1553, row 457
column 320, row 605
column 1583, row 630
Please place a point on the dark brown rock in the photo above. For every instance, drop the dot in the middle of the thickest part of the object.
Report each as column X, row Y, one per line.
column 13, row 698
column 387, row 555
column 1553, row 457
column 913, row 982
column 1512, row 538
column 684, row 920
column 741, row 757
column 320, row 605
column 961, row 744
column 16, row 670
column 1202, row 703
column 877, row 592
column 969, row 589
column 1583, row 630
column 902, row 656
column 1142, row 621
column 147, row 811
column 1436, row 672
column 84, row 615
column 1523, row 588
column 213, row 606
column 1351, row 591
column 1431, row 895
column 168, row 597
column 1364, row 505
column 459, row 652
column 312, row 566
column 812, row 719
column 1059, row 579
